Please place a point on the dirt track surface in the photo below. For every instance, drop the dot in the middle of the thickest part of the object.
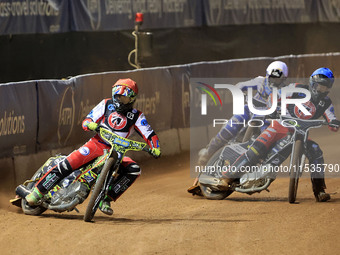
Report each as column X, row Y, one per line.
column 157, row 216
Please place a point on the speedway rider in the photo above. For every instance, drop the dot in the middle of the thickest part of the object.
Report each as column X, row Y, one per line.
column 320, row 83
column 276, row 74
column 118, row 114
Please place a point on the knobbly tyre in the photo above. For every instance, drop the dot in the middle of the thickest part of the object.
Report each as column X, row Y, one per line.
column 259, row 178
column 297, row 159
column 72, row 191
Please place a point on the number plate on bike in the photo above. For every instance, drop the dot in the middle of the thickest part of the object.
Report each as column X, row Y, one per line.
column 121, row 142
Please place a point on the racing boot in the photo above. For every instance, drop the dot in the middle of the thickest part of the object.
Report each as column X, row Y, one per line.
column 105, row 206
column 35, row 197
column 322, row 196
column 319, row 190
column 48, row 181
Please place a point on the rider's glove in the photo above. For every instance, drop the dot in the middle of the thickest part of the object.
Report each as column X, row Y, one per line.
column 334, row 125
column 92, row 126
column 156, row 152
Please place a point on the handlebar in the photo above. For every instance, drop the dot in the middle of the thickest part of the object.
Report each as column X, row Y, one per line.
column 148, row 150
column 303, row 126
column 308, row 122
column 120, row 143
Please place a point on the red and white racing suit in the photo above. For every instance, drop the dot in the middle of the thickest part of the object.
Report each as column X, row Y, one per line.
column 122, row 125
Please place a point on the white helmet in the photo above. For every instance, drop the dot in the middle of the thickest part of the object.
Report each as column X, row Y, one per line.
column 277, row 73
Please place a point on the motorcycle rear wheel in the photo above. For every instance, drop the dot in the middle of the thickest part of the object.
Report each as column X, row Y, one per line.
column 206, row 190
column 26, row 208
column 95, row 199
column 295, row 172
column 214, row 195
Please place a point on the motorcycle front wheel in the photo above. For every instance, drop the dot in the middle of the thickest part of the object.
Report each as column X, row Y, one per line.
column 97, row 195
column 295, row 172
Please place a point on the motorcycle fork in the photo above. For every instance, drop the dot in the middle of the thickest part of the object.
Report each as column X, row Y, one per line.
column 303, row 139
column 112, row 174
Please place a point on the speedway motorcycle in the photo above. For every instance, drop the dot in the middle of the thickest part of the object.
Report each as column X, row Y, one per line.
column 258, row 178
column 75, row 188
column 243, row 136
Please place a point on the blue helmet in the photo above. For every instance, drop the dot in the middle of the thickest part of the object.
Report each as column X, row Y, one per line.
column 320, row 82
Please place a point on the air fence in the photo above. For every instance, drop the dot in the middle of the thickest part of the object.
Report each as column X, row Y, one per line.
column 43, row 117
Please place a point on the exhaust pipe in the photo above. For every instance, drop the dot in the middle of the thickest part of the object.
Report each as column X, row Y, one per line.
column 65, row 207
column 22, row 191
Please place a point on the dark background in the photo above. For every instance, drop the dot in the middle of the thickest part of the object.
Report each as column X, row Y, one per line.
column 54, row 56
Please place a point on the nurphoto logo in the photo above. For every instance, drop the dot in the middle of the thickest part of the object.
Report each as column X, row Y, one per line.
column 238, row 99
